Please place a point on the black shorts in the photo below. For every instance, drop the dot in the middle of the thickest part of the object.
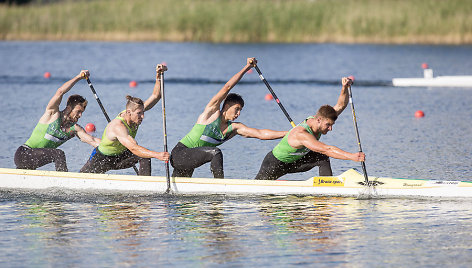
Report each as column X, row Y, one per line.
column 33, row 158
column 185, row 160
column 100, row 163
column 272, row 168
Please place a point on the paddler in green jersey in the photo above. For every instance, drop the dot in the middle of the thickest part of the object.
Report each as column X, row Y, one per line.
column 213, row 127
column 53, row 129
column 300, row 150
column 118, row 148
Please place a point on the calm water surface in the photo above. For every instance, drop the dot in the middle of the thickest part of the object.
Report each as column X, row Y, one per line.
column 60, row 228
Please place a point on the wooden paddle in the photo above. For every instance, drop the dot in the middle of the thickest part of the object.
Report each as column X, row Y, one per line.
column 164, row 129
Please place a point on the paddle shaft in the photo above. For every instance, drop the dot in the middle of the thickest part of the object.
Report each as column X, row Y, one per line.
column 103, row 110
column 357, row 134
column 275, row 96
column 98, row 99
column 164, row 129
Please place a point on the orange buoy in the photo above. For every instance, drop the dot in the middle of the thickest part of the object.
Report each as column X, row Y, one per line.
column 133, row 84
column 90, row 128
column 47, row 75
column 419, row 114
column 268, row 97
column 424, row 66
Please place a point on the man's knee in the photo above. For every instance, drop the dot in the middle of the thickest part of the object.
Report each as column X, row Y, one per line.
column 215, row 151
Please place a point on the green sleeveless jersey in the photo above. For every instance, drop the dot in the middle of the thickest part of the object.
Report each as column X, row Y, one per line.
column 50, row 135
column 286, row 153
column 113, row 148
column 206, row 135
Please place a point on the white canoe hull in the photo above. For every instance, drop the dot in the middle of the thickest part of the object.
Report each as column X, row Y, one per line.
column 440, row 81
column 348, row 183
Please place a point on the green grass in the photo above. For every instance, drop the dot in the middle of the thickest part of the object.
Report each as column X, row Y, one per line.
column 343, row 21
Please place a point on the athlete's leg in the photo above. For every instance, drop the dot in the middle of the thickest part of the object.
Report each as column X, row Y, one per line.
column 97, row 163
column 311, row 160
column 182, row 172
column 177, row 158
column 325, row 168
column 184, row 160
column 32, row 158
column 144, row 166
column 271, row 168
column 127, row 160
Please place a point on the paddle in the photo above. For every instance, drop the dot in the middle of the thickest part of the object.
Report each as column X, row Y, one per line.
column 103, row 109
column 164, row 129
column 275, row 96
column 357, row 130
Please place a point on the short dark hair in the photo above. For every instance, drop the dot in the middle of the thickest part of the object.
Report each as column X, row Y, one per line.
column 75, row 99
column 133, row 103
column 233, row 98
column 327, row 111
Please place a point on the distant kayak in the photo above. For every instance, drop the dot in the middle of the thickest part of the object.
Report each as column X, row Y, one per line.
column 439, row 81
column 430, row 81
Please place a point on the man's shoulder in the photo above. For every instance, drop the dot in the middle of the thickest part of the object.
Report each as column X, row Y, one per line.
column 208, row 117
column 116, row 120
column 115, row 125
column 299, row 130
column 236, row 124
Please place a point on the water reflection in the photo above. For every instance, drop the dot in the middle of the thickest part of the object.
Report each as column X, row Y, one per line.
column 231, row 230
column 54, row 221
column 234, row 228
column 298, row 214
column 65, row 232
column 208, row 224
column 225, row 229
column 128, row 225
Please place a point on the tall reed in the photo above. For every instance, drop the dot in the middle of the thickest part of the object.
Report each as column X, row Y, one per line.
column 345, row 21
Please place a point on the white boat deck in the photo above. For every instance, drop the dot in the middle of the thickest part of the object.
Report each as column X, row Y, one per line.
column 349, row 183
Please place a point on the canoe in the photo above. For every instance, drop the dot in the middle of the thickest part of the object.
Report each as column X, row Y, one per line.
column 349, row 183
column 439, row 81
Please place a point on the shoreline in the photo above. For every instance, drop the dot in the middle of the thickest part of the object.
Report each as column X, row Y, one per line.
column 145, row 37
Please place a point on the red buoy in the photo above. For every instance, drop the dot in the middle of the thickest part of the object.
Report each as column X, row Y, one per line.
column 419, row 114
column 268, row 97
column 424, row 66
column 90, row 128
column 47, row 75
column 133, row 84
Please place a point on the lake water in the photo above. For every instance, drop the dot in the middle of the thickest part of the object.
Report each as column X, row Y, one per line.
column 61, row 228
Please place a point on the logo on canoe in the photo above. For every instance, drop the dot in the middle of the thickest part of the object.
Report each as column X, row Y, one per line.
column 328, row 181
column 442, row 183
column 412, row 184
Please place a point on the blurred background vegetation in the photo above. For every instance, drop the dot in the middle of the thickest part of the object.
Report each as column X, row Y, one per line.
column 339, row 21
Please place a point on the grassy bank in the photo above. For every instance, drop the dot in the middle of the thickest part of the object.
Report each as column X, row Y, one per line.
column 343, row 21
